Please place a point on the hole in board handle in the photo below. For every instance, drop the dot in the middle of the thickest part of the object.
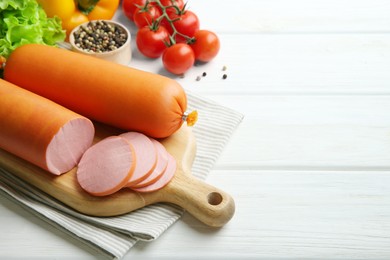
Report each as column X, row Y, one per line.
column 214, row 198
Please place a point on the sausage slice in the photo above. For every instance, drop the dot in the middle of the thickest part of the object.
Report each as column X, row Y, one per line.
column 164, row 180
column 106, row 166
column 162, row 162
column 146, row 158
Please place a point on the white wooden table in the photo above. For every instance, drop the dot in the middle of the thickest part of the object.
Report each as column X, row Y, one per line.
column 309, row 167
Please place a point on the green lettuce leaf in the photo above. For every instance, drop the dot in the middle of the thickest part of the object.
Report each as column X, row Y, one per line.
column 23, row 22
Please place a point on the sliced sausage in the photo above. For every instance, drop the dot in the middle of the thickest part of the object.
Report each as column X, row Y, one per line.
column 106, row 166
column 164, row 180
column 162, row 162
column 146, row 158
column 41, row 131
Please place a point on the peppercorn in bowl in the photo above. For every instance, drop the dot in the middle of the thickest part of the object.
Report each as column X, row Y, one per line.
column 103, row 39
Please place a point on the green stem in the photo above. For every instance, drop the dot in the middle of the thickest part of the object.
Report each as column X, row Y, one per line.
column 171, row 21
column 86, row 6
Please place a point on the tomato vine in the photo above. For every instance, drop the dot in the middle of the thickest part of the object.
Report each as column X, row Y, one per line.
column 169, row 22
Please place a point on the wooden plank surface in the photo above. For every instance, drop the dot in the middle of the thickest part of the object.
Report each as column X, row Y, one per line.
column 308, row 167
column 323, row 132
column 291, row 215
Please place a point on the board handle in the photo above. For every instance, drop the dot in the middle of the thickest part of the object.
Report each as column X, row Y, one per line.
column 208, row 204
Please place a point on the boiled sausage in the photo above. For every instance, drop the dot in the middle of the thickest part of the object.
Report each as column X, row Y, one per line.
column 41, row 131
column 104, row 91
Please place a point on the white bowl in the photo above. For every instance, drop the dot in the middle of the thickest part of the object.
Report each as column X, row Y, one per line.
column 122, row 55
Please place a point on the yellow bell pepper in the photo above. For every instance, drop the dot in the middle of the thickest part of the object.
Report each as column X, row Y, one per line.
column 76, row 12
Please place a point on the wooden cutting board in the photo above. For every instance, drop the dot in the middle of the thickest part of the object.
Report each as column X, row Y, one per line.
column 210, row 205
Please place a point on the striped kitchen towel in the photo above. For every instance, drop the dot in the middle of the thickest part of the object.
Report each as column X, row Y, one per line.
column 115, row 236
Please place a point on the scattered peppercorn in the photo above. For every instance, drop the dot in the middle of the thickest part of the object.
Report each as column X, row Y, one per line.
column 198, row 78
column 204, row 74
column 224, row 76
column 99, row 36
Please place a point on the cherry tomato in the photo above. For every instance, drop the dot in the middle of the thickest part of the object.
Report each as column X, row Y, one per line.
column 187, row 24
column 178, row 58
column 151, row 42
column 206, row 45
column 129, row 6
column 171, row 11
column 178, row 3
column 146, row 16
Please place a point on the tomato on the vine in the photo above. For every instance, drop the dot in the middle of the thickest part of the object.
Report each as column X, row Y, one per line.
column 187, row 23
column 151, row 41
column 168, row 22
column 129, row 6
column 146, row 15
column 206, row 45
column 178, row 3
column 178, row 58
